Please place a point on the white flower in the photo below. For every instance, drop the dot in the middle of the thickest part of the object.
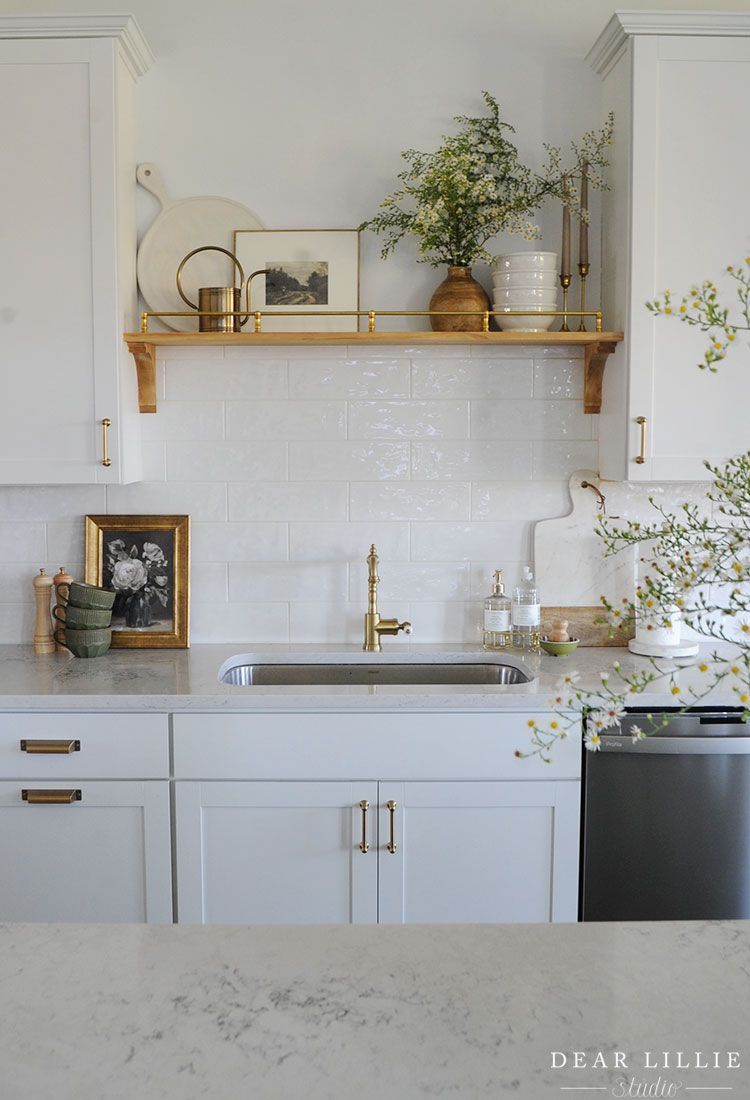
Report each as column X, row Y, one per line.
column 129, row 575
column 637, row 734
column 568, row 680
column 592, row 740
column 152, row 552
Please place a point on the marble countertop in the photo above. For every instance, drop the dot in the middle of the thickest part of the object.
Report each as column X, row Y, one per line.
column 178, row 680
column 94, row 1012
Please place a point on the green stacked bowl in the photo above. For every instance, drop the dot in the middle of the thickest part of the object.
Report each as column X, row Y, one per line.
column 86, row 619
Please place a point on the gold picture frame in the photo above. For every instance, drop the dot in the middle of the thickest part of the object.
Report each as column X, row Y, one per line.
column 331, row 256
column 146, row 560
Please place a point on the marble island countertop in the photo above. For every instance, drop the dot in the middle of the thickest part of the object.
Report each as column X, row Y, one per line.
column 113, row 1012
column 177, row 680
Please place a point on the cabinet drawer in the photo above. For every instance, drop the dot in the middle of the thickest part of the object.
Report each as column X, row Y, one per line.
column 111, row 746
column 339, row 746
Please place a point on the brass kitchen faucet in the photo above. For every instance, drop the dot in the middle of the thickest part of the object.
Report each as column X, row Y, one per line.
column 374, row 625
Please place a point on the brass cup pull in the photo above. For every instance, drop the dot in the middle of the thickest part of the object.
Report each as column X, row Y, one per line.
column 391, row 845
column 48, row 748
column 364, row 807
column 106, row 425
column 50, row 797
column 641, row 458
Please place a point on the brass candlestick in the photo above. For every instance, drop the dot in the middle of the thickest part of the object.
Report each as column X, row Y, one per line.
column 583, row 270
column 565, row 284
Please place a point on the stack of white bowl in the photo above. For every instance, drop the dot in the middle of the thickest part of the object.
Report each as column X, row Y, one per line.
column 525, row 281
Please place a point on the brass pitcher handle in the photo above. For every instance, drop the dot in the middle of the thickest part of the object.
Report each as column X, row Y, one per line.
column 206, row 248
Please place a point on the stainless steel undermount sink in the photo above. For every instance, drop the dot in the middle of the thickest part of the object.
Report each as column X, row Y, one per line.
column 371, row 673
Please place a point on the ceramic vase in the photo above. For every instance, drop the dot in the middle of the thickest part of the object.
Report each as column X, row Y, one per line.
column 459, row 291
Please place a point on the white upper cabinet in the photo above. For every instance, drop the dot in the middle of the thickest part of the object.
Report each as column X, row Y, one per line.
column 677, row 213
column 67, row 226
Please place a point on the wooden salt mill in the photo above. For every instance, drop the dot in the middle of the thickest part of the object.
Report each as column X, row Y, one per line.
column 61, row 578
column 43, row 639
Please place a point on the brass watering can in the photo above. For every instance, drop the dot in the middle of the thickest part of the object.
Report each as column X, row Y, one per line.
column 226, row 300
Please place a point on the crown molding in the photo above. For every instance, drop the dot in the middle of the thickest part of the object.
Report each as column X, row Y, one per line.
column 120, row 25
column 625, row 24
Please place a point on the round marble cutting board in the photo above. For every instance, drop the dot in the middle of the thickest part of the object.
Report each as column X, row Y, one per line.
column 182, row 225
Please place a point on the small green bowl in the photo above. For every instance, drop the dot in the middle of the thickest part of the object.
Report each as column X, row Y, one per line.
column 559, row 649
column 82, row 618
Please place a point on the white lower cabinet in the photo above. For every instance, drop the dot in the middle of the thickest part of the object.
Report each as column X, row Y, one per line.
column 417, row 852
column 99, row 853
column 276, row 853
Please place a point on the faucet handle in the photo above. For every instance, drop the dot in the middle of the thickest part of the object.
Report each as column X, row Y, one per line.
column 405, row 626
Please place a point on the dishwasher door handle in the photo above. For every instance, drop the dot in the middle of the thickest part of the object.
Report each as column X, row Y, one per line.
column 683, row 746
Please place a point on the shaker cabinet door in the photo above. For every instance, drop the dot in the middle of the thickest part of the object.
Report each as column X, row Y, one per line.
column 478, row 852
column 276, row 852
column 103, row 857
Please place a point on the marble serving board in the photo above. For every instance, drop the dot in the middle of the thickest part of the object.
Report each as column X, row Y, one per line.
column 572, row 570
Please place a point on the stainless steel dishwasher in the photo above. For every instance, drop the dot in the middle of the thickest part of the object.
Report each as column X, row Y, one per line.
column 666, row 821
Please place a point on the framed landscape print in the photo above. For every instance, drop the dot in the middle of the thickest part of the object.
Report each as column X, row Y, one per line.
column 313, row 270
column 145, row 560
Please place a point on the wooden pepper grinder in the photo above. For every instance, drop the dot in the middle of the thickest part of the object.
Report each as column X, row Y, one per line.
column 43, row 639
column 61, row 601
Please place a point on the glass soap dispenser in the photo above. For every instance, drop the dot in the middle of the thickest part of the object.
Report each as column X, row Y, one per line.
column 497, row 625
column 526, row 612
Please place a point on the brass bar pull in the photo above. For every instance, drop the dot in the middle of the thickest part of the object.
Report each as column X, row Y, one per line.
column 641, row 458
column 48, row 748
column 106, row 425
column 50, row 798
column 391, row 845
column 364, row 807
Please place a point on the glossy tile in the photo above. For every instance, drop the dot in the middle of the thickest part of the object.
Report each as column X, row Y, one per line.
column 472, row 377
column 185, row 420
column 445, row 622
column 49, row 502
column 203, row 501
column 288, row 581
column 283, row 500
column 208, row 582
column 240, row 622
column 226, row 542
column 348, row 461
column 384, row 500
column 239, row 376
column 468, row 541
column 525, row 420
column 558, row 378
column 404, row 581
column 347, row 541
column 24, row 542
column 504, row 500
column 226, row 460
column 556, row 459
column 292, row 420
column 408, row 419
column 495, row 460
column 376, row 376
column 65, row 540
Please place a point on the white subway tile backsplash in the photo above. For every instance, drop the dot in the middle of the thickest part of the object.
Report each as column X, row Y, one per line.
column 348, row 461
column 472, row 377
column 292, row 461
column 347, row 541
column 558, row 378
column 512, row 500
column 225, row 542
column 203, row 501
column 555, row 459
column 241, row 622
column 23, row 542
column 286, row 420
column 408, row 419
column 284, row 500
column 378, row 376
column 468, row 541
column 226, row 460
column 474, row 461
column 185, row 420
column 288, row 581
column 384, row 500
column 524, row 420
column 404, row 581
column 240, row 376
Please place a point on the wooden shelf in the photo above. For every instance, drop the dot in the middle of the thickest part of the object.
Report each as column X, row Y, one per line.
column 597, row 347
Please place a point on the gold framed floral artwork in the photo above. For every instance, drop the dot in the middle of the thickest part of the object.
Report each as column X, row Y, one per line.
column 145, row 560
